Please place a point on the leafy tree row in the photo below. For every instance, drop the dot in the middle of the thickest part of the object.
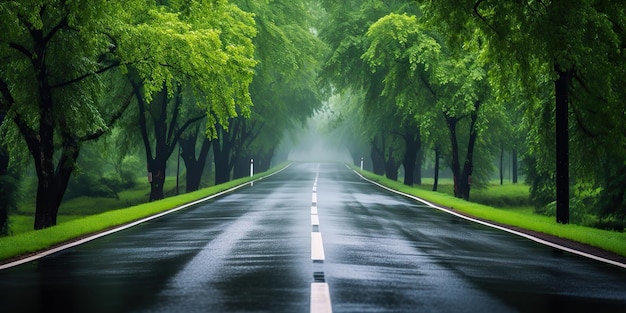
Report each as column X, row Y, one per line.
column 72, row 71
column 473, row 76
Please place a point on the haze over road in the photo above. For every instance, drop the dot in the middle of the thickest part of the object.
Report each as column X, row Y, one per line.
column 313, row 237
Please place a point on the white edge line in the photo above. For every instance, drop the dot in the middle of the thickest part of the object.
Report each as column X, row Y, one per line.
column 533, row 238
column 126, row 226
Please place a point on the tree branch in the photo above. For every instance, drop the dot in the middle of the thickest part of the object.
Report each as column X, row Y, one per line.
column 142, row 119
column 482, row 18
column 112, row 120
column 77, row 79
column 21, row 49
column 182, row 129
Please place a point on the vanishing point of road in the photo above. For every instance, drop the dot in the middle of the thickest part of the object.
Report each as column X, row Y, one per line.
column 312, row 238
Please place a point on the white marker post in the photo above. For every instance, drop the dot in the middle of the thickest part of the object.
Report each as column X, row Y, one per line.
column 361, row 163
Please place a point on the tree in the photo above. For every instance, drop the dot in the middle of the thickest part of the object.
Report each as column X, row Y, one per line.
column 283, row 91
column 194, row 164
column 349, row 69
column 53, row 55
column 574, row 49
column 163, row 114
column 422, row 72
column 201, row 46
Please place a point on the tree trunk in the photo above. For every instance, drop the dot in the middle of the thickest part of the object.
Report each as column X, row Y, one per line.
column 378, row 161
column 514, row 166
column 562, row 145
column 417, row 172
column 193, row 167
column 391, row 167
column 436, row 174
column 501, row 165
column 264, row 161
column 412, row 143
column 166, row 135
column 468, row 165
column 156, row 172
column 222, row 158
column 7, row 191
column 455, row 166
column 241, row 168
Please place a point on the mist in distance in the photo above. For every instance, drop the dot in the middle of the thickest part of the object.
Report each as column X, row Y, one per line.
column 317, row 144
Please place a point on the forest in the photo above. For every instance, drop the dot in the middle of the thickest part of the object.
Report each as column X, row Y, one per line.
column 99, row 97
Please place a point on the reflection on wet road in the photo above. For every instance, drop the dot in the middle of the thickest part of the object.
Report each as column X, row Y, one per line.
column 254, row 251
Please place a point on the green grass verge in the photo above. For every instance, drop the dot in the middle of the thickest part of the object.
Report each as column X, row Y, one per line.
column 521, row 217
column 33, row 241
column 23, row 220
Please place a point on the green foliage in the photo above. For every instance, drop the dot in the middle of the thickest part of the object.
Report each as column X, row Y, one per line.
column 527, row 43
column 205, row 44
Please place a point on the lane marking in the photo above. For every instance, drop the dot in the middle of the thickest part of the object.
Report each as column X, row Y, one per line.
column 320, row 298
column 320, row 294
column 315, row 220
column 530, row 237
column 317, row 247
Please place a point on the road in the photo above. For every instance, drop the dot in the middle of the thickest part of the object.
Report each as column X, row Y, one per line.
column 312, row 238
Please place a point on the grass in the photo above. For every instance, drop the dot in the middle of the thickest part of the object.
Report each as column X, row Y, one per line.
column 72, row 227
column 520, row 216
column 83, row 206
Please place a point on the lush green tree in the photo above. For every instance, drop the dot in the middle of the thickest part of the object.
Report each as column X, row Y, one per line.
column 53, row 54
column 205, row 47
column 346, row 69
column 574, row 49
column 425, row 76
column 283, row 91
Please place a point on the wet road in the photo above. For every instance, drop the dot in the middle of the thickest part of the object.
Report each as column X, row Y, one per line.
column 312, row 238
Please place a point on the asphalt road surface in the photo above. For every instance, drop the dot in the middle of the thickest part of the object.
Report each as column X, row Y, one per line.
column 312, row 238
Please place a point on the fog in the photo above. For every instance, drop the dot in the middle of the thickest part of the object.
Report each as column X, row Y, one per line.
column 316, row 144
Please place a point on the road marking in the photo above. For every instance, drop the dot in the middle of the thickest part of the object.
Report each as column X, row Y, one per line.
column 317, row 247
column 118, row 228
column 320, row 298
column 320, row 294
column 530, row 237
column 315, row 220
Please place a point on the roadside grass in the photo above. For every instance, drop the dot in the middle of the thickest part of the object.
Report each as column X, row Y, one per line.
column 83, row 206
column 76, row 227
column 520, row 216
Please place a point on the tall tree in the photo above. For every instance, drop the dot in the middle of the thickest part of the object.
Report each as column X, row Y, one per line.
column 422, row 72
column 208, row 51
column 53, row 54
column 284, row 90
column 163, row 115
column 348, row 69
column 576, row 49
